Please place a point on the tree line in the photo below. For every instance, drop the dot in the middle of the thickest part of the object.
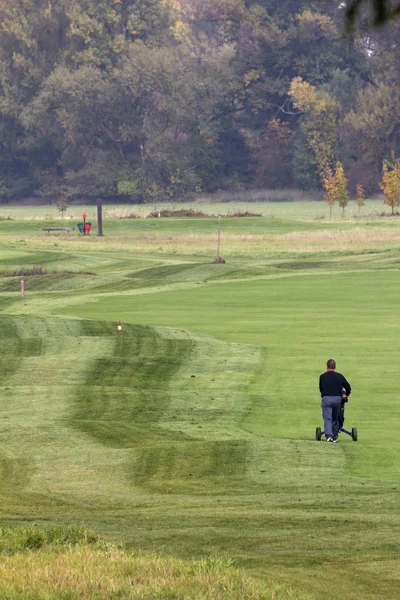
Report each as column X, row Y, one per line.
column 154, row 100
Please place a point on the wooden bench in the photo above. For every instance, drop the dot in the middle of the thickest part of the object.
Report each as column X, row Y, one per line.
column 48, row 229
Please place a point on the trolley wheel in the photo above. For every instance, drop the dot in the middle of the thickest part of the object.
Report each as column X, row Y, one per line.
column 354, row 434
column 318, row 434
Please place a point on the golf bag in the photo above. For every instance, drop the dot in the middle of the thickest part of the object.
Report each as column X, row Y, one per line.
column 341, row 415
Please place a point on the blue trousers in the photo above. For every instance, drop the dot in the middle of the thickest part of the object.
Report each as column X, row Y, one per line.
column 330, row 413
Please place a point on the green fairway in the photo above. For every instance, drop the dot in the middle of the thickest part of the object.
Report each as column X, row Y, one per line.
column 192, row 434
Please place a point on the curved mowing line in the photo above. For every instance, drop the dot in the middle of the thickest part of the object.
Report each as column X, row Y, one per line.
column 125, row 395
column 13, row 346
column 14, row 472
column 193, row 467
column 199, row 271
column 160, row 413
column 33, row 258
column 127, row 401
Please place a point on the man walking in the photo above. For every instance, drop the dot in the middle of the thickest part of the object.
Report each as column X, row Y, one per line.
column 331, row 384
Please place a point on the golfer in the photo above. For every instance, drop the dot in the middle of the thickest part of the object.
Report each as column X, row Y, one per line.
column 331, row 384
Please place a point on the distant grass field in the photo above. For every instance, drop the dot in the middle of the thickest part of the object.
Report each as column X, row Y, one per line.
column 192, row 435
column 299, row 210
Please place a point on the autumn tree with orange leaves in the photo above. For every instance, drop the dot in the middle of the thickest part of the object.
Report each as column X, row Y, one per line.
column 390, row 184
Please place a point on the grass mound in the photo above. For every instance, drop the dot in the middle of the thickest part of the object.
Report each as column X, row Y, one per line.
column 70, row 564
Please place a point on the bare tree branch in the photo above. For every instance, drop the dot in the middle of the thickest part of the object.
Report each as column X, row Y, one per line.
column 286, row 112
column 111, row 136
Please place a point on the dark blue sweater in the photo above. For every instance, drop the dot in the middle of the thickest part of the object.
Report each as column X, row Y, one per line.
column 331, row 384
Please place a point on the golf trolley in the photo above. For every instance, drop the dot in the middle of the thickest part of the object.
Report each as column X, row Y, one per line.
column 352, row 433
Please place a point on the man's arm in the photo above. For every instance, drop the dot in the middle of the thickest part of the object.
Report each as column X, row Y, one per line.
column 320, row 388
column 346, row 386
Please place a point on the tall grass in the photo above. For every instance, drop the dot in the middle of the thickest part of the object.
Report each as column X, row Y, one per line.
column 18, row 539
column 70, row 563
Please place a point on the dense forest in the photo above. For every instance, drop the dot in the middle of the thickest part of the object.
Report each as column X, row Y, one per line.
column 154, row 100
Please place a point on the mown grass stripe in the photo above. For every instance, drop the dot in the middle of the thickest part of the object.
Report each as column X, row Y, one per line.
column 129, row 388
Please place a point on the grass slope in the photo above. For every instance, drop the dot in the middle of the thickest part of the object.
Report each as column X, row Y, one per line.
column 193, row 433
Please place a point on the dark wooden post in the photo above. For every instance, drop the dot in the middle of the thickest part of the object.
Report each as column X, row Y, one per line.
column 219, row 239
column 99, row 217
column 219, row 260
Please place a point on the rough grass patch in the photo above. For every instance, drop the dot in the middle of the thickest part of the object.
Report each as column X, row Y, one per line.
column 385, row 214
column 86, row 573
column 180, row 212
column 130, row 215
column 41, row 270
column 198, row 214
column 341, row 238
column 18, row 539
column 263, row 195
column 25, row 271
column 244, row 213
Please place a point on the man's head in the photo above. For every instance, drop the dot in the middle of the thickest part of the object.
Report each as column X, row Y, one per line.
column 331, row 364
